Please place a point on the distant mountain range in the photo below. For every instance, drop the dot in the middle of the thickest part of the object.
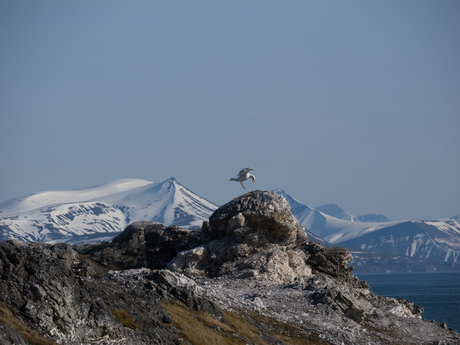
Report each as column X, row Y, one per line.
column 437, row 239
column 100, row 213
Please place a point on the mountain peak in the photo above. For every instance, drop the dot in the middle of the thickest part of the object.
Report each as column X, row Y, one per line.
column 335, row 211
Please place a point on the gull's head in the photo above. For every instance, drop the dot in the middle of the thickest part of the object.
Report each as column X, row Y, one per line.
column 253, row 177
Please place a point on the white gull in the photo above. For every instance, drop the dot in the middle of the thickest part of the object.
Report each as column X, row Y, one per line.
column 244, row 175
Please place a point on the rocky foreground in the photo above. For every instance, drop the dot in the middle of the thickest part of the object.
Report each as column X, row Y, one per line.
column 248, row 276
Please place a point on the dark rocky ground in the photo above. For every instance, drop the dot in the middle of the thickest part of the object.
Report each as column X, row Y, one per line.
column 248, row 276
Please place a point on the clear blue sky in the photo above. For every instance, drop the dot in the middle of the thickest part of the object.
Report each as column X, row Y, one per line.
column 348, row 102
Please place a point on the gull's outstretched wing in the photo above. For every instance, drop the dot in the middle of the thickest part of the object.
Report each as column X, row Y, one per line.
column 244, row 171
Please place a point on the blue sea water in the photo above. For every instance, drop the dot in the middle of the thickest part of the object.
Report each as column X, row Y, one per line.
column 437, row 293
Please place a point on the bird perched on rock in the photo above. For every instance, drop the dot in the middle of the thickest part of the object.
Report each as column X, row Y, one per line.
column 244, row 175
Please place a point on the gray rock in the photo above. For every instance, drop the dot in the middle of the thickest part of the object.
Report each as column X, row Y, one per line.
column 38, row 281
column 141, row 244
column 269, row 215
column 9, row 336
column 127, row 250
column 164, row 243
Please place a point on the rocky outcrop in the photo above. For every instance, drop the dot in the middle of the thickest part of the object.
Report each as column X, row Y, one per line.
column 39, row 282
column 254, row 235
column 250, row 275
column 142, row 244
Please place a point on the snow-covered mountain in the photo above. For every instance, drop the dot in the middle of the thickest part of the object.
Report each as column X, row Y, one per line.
column 438, row 239
column 101, row 212
column 324, row 225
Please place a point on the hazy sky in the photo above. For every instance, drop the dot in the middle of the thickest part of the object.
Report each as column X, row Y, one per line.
column 348, row 102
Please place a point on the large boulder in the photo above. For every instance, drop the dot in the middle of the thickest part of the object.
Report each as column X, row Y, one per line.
column 260, row 215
